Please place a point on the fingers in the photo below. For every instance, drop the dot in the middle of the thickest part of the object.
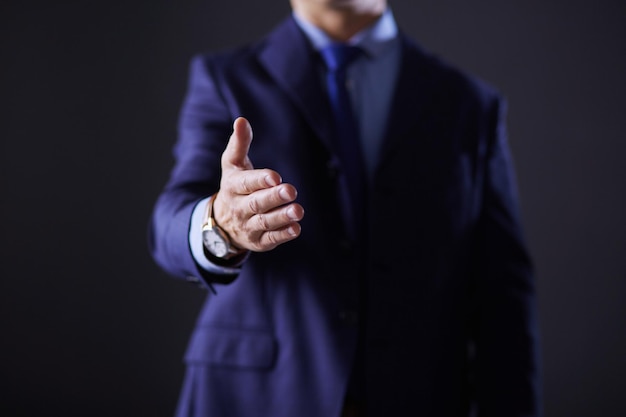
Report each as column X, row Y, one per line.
column 264, row 201
column 248, row 181
column 277, row 219
column 262, row 220
column 269, row 240
column 236, row 153
column 247, row 217
column 277, row 227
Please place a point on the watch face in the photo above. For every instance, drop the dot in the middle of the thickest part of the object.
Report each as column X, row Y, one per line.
column 214, row 243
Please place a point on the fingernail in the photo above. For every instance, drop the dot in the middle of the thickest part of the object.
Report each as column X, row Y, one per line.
column 270, row 181
column 291, row 231
column 291, row 213
column 284, row 194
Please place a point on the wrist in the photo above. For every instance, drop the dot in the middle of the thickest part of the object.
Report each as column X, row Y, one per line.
column 218, row 246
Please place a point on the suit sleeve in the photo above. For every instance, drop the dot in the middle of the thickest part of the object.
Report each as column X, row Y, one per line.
column 203, row 131
column 506, row 331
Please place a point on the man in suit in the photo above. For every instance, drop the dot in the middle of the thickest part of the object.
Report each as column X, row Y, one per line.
column 406, row 289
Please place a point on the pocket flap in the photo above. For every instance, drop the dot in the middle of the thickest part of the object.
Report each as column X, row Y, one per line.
column 231, row 347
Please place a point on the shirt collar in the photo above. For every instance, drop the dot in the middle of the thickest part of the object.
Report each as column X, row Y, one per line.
column 374, row 39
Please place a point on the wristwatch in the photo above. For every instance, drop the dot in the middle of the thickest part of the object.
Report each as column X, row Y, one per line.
column 215, row 239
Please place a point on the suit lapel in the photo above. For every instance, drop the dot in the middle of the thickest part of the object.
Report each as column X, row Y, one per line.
column 409, row 106
column 291, row 61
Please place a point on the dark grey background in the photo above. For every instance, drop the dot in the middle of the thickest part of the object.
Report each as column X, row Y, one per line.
column 90, row 92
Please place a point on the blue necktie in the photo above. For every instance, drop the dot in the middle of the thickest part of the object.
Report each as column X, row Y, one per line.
column 338, row 57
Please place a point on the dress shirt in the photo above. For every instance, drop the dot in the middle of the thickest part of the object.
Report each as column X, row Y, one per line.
column 371, row 80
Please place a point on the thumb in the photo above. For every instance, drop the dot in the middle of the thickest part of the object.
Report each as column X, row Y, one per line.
column 236, row 153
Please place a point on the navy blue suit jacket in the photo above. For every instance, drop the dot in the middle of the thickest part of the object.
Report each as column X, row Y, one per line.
column 450, row 322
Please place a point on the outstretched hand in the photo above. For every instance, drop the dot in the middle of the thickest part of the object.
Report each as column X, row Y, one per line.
column 254, row 206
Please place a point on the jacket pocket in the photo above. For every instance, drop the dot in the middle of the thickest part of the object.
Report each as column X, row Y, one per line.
column 231, row 347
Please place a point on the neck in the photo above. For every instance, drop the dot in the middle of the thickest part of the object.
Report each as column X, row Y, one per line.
column 340, row 20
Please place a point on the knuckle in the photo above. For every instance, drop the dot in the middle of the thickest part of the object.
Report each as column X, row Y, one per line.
column 236, row 214
column 253, row 205
column 262, row 222
column 272, row 238
column 257, row 244
column 243, row 184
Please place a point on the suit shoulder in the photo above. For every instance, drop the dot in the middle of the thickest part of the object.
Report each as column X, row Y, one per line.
column 452, row 80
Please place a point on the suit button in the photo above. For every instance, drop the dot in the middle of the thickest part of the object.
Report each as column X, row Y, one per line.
column 349, row 317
